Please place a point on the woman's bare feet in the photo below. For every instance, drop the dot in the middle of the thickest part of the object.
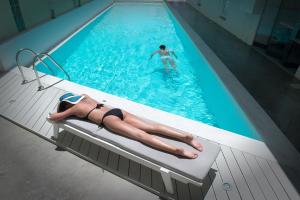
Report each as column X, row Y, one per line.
column 189, row 139
column 187, row 154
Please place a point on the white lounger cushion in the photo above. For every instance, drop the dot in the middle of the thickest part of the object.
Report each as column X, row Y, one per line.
column 195, row 169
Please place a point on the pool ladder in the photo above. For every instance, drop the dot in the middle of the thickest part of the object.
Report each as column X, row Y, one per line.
column 39, row 57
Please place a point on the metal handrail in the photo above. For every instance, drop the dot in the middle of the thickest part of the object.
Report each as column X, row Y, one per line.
column 41, row 87
column 57, row 65
column 18, row 63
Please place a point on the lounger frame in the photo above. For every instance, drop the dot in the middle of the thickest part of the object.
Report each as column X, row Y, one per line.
column 166, row 174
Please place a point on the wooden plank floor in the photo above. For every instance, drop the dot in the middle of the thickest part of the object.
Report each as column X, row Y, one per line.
column 246, row 176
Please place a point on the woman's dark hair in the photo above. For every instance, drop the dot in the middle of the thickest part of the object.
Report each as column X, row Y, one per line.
column 163, row 47
column 62, row 106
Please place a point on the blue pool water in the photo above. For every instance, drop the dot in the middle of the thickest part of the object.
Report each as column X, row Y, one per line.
column 112, row 55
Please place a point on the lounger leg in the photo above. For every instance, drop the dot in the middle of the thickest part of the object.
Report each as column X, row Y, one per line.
column 55, row 131
column 167, row 180
column 55, row 137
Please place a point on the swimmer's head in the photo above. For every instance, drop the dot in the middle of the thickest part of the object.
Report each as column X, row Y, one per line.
column 162, row 47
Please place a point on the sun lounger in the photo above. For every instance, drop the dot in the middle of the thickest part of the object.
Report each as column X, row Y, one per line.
column 169, row 166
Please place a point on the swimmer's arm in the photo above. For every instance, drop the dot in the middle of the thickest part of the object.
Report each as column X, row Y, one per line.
column 173, row 52
column 62, row 115
column 152, row 54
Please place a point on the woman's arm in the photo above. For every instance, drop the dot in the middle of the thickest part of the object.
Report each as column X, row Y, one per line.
column 62, row 115
column 173, row 52
column 152, row 54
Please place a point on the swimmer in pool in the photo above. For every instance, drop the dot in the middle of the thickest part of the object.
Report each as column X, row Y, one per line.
column 165, row 56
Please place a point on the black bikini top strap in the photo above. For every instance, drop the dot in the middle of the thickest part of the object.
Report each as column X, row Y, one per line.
column 99, row 105
column 87, row 115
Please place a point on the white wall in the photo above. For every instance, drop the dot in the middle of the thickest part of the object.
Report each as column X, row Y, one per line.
column 242, row 16
column 61, row 6
column 34, row 11
column 45, row 36
column 8, row 26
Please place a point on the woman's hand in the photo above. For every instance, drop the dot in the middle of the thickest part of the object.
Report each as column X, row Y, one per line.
column 53, row 117
column 59, row 116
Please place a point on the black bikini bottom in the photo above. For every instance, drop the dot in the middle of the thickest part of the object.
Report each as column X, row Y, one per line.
column 115, row 112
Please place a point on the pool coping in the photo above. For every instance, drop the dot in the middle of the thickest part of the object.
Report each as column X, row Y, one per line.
column 203, row 130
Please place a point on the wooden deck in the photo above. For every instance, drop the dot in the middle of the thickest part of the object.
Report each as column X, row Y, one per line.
column 250, row 177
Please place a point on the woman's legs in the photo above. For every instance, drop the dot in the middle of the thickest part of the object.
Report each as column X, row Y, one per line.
column 172, row 63
column 164, row 61
column 121, row 127
column 161, row 129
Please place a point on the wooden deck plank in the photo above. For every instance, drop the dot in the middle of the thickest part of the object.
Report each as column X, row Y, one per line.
column 40, row 108
column 227, row 177
column 217, row 183
column 10, row 85
column 284, row 180
column 47, row 129
column 6, row 78
column 10, row 108
column 9, row 90
column 249, row 177
column 20, row 115
column 275, row 184
column 124, row 166
column 10, row 101
column 113, row 160
column 134, row 170
column 260, row 177
column 145, row 175
column 42, row 119
column 21, row 102
column 236, row 174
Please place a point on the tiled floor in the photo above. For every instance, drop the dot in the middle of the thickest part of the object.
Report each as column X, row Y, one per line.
column 271, row 86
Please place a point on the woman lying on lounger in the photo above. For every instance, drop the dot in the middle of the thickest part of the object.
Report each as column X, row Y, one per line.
column 123, row 123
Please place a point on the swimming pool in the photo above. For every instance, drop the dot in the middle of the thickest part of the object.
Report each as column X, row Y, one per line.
column 111, row 54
